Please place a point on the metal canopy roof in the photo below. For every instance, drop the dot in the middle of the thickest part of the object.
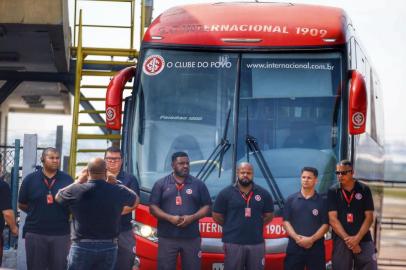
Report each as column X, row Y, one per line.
column 34, row 56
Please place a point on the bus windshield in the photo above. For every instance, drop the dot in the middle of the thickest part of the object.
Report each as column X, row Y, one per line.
column 208, row 103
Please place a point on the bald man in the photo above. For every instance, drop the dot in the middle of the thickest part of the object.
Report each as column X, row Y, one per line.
column 96, row 206
column 46, row 229
column 243, row 209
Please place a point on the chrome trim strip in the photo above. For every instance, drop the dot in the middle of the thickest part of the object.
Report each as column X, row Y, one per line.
column 241, row 40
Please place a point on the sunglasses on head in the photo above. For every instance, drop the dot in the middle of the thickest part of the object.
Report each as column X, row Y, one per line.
column 343, row 172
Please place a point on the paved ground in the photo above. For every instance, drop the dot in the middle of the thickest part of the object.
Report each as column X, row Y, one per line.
column 9, row 259
column 393, row 242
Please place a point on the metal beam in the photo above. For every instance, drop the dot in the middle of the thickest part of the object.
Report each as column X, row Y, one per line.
column 37, row 110
column 7, row 89
column 65, row 77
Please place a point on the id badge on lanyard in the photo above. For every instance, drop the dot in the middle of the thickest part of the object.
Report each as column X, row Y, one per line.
column 350, row 216
column 247, row 210
column 178, row 199
column 50, row 197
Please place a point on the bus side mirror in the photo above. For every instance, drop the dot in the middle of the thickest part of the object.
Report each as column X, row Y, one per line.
column 357, row 105
column 114, row 97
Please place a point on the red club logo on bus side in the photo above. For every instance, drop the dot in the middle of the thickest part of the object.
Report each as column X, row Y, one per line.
column 153, row 65
column 110, row 114
column 358, row 119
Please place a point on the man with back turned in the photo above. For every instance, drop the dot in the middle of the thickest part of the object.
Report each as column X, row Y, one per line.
column 97, row 207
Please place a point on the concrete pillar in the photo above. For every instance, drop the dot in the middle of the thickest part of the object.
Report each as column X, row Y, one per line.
column 29, row 162
column 3, row 123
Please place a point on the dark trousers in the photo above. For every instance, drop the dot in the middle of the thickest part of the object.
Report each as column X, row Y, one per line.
column 240, row 257
column 125, row 254
column 1, row 246
column 344, row 259
column 310, row 260
column 188, row 249
column 92, row 256
column 46, row 251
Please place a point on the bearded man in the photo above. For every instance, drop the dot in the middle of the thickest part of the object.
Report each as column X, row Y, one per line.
column 243, row 209
column 178, row 201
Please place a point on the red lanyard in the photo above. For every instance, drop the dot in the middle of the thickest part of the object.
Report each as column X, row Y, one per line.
column 49, row 186
column 178, row 198
column 179, row 187
column 247, row 198
column 348, row 200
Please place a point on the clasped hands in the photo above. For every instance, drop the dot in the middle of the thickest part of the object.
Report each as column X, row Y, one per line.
column 181, row 221
column 304, row 241
column 352, row 243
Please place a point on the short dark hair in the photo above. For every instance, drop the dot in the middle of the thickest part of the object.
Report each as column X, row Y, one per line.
column 113, row 149
column 178, row 154
column 345, row 162
column 47, row 150
column 310, row 169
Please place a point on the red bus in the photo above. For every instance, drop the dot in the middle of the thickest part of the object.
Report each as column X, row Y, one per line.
column 280, row 85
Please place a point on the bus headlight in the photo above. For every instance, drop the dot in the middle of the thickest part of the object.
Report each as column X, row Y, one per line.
column 145, row 231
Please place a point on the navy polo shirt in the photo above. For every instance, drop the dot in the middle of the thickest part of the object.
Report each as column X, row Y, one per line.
column 44, row 218
column 237, row 228
column 194, row 196
column 361, row 202
column 5, row 201
column 306, row 216
column 96, row 207
column 131, row 182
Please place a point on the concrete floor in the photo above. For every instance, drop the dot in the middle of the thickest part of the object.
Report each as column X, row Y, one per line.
column 9, row 259
column 393, row 242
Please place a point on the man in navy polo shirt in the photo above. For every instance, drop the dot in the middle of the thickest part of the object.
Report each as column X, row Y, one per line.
column 126, row 240
column 306, row 222
column 46, row 229
column 351, row 213
column 96, row 207
column 243, row 209
column 178, row 201
column 6, row 211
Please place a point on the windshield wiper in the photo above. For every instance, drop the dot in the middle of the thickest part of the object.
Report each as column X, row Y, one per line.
column 216, row 157
column 266, row 172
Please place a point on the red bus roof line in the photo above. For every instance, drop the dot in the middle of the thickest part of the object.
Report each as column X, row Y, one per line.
column 273, row 24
